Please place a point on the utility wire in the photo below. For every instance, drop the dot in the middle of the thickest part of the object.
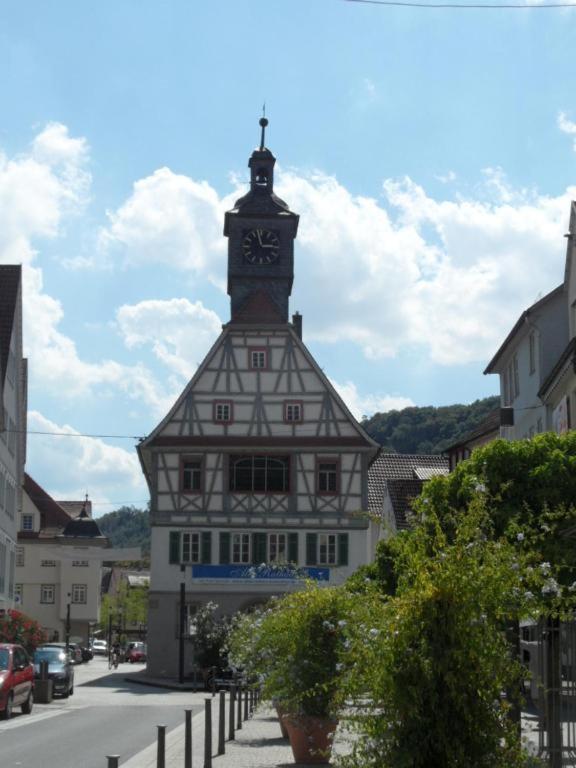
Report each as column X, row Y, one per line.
column 495, row 6
column 72, row 434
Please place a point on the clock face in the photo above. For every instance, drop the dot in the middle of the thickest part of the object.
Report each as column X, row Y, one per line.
column 260, row 246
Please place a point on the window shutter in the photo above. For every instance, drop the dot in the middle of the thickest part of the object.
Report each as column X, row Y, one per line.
column 311, row 548
column 342, row 549
column 224, row 548
column 174, row 556
column 259, row 549
column 206, row 548
column 293, row 548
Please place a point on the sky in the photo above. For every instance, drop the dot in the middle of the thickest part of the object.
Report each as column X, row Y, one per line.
column 431, row 155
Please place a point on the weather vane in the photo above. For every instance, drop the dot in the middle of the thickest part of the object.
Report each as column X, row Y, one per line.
column 263, row 124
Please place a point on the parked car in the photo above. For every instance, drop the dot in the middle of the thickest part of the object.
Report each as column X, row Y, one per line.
column 87, row 653
column 136, row 652
column 100, row 647
column 16, row 680
column 60, row 669
column 74, row 652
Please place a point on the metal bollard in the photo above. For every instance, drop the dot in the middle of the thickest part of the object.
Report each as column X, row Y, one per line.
column 207, row 733
column 112, row 761
column 188, row 738
column 239, row 715
column 231, row 713
column 251, row 701
column 245, row 703
column 222, row 723
column 161, row 754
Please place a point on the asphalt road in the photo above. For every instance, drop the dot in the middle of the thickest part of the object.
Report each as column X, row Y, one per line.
column 106, row 715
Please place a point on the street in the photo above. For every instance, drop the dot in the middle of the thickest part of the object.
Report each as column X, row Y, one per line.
column 106, row 715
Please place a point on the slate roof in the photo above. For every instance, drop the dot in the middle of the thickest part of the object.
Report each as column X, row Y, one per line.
column 82, row 527
column 51, row 513
column 402, row 493
column 388, row 467
column 10, row 277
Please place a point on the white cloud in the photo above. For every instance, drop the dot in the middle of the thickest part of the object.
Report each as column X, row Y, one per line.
column 68, row 467
column 367, row 405
column 180, row 332
column 567, row 126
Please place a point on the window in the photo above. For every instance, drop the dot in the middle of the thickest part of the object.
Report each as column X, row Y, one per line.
column 327, row 549
column 260, row 474
column 327, row 476
column 292, row 411
column 532, row 343
column 277, row 548
column 27, row 523
column 258, row 358
column 513, row 380
column 192, row 475
column 240, row 547
column 190, row 548
column 47, row 593
column 222, row 413
column 79, row 593
column 20, row 557
column 79, row 563
column 18, row 594
column 48, row 563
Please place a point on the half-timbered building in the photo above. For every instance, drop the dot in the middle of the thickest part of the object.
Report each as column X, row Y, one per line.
column 259, row 473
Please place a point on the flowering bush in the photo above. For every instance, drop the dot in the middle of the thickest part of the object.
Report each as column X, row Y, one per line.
column 297, row 647
column 16, row 627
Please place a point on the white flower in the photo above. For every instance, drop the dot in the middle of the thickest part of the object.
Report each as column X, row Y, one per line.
column 545, row 567
column 342, row 623
column 480, row 487
column 572, row 587
column 374, row 632
column 528, row 595
column 339, row 667
column 551, row 587
column 519, row 537
column 327, row 625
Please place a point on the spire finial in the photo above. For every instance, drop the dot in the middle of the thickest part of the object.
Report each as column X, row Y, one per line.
column 263, row 124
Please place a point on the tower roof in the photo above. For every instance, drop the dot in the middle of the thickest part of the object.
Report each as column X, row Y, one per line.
column 83, row 526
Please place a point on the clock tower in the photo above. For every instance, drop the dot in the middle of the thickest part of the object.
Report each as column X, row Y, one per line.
column 260, row 231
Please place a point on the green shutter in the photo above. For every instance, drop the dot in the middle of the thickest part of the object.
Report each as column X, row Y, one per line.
column 259, row 549
column 174, row 556
column 342, row 549
column 224, row 548
column 311, row 548
column 206, row 553
column 293, row 548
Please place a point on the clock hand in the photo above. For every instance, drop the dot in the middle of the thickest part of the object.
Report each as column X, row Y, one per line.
column 259, row 233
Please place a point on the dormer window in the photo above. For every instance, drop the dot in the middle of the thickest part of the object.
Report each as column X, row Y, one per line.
column 27, row 523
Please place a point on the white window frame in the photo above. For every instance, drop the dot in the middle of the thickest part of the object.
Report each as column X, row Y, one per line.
column 79, row 594
column 223, row 411
column 240, row 548
column 292, row 412
column 190, row 547
column 48, row 563
column 258, row 359
column 278, row 547
column 20, row 557
column 27, row 523
column 327, row 549
column 47, row 594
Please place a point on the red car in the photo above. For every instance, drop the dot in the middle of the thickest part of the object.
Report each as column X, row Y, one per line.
column 16, row 680
column 136, row 653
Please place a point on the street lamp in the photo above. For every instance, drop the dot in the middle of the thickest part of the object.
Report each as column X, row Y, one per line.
column 182, row 623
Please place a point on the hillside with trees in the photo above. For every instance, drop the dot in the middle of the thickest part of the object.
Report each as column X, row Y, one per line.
column 427, row 429
column 127, row 527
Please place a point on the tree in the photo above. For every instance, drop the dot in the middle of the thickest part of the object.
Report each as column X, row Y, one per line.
column 128, row 606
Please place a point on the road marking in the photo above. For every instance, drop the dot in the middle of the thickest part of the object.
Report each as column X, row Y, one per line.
column 19, row 722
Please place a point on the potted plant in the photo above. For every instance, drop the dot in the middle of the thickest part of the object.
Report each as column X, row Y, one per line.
column 295, row 647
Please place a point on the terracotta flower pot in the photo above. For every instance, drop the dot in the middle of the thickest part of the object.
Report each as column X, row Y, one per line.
column 280, row 712
column 310, row 738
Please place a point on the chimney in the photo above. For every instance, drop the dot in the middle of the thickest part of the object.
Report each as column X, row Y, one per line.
column 297, row 323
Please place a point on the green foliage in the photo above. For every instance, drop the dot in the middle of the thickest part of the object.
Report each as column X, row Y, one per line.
column 433, row 660
column 295, row 647
column 428, row 429
column 16, row 627
column 127, row 527
column 129, row 606
column 529, row 487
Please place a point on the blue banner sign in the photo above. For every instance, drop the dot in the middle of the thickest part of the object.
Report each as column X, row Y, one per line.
column 259, row 573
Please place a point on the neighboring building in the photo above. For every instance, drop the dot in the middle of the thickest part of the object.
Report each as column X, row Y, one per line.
column 59, row 564
column 485, row 432
column 259, row 464
column 525, row 359
column 120, row 583
column 394, row 481
column 13, row 386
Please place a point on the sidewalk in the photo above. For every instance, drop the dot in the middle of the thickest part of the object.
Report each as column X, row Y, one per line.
column 258, row 744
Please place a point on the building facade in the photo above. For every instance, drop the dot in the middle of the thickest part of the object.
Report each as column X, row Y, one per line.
column 13, row 386
column 258, row 473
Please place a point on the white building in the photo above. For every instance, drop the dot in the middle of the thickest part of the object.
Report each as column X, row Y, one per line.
column 259, row 466
column 59, row 564
column 12, row 424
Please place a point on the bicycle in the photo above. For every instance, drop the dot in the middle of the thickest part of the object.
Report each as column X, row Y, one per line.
column 113, row 660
